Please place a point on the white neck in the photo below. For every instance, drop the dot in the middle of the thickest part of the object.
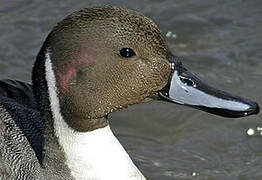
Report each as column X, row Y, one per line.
column 95, row 155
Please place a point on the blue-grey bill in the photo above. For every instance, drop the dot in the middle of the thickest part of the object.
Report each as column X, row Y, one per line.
column 186, row 89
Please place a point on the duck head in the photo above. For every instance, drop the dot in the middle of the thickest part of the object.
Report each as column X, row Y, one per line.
column 107, row 58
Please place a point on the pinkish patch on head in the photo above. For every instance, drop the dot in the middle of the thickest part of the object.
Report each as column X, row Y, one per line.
column 63, row 78
column 67, row 68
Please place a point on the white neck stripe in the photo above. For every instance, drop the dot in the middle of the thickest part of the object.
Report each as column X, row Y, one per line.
column 91, row 155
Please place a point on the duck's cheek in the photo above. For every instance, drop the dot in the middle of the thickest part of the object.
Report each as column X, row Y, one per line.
column 159, row 74
column 142, row 83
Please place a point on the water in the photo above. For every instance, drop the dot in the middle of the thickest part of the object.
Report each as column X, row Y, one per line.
column 220, row 42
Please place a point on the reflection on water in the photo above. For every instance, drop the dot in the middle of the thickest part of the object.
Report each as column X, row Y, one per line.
column 220, row 42
column 254, row 131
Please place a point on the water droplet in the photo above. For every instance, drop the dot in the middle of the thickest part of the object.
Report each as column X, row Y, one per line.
column 195, row 174
column 250, row 132
column 157, row 163
column 168, row 34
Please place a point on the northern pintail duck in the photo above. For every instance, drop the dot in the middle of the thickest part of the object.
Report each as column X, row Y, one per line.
column 94, row 62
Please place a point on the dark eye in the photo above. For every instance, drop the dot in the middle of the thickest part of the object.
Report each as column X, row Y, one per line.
column 127, row 52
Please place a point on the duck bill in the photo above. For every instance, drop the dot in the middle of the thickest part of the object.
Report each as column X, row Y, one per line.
column 185, row 88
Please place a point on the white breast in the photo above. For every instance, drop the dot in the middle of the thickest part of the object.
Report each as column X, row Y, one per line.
column 95, row 155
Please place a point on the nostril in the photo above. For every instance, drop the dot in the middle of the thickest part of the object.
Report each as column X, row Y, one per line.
column 187, row 81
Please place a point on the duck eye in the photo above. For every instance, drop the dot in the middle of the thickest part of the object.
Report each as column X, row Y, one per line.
column 127, row 52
